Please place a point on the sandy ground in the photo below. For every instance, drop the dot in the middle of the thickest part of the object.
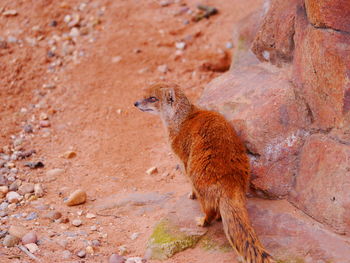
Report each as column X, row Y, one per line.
column 90, row 111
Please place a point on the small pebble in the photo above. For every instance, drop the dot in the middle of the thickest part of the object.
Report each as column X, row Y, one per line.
column 25, row 154
column 93, row 228
column 15, row 185
column 89, row 250
column 17, row 142
column 135, row 260
column 44, row 124
column 49, row 86
column 3, row 179
column 84, row 31
column 53, row 23
column 32, row 247
column 116, row 59
column 17, row 231
column 74, row 21
column 180, row 45
column 43, row 116
column 74, row 32
column 12, row 207
column 90, row 216
column 3, row 206
column 229, row 45
column 10, row 165
column 53, row 215
column 3, row 213
column 13, row 197
column 66, row 254
column 134, row 236
column 38, row 190
column 3, row 190
column 67, row 18
column 96, row 243
column 81, row 254
column 34, row 165
column 76, row 198
column 122, row 250
column 143, row 70
column 26, row 188
column 163, row 68
column 3, row 233
column 28, row 128
column 32, row 216
column 30, row 237
column 54, row 172
column 69, row 154
column 62, row 242
column 10, row 241
column 11, row 12
column 76, row 222
column 165, row 3
column 152, row 171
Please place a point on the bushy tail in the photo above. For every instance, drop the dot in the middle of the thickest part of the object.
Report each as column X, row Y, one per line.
column 239, row 231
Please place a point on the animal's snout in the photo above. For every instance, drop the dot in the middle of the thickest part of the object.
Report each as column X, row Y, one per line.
column 136, row 104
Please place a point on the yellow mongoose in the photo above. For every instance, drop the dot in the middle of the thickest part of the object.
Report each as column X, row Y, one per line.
column 215, row 161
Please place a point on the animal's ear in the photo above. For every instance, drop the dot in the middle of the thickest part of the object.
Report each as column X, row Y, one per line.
column 170, row 95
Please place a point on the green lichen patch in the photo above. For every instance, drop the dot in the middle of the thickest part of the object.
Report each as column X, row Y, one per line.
column 167, row 240
column 209, row 244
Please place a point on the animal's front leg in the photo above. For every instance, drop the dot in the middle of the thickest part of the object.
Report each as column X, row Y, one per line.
column 191, row 195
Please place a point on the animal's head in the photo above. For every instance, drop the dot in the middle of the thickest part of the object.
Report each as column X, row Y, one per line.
column 165, row 100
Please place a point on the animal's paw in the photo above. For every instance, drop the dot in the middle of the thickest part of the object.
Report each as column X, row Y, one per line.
column 192, row 195
column 201, row 221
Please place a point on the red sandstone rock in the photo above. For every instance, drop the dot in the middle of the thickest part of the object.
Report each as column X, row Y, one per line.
column 291, row 236
column 274, row 41
column 286, row 232
column 333, row 14
column 323, row 182
column 322, row 72
column 244, row 33
column 263, row 108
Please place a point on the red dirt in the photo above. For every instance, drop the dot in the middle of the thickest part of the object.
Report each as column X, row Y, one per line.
column 113, row 150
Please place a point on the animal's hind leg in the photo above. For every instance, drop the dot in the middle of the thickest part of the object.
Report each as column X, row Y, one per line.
column 210, row 215
column 206, row 220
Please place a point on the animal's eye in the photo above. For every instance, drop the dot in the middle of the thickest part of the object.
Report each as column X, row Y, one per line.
column 152, row 99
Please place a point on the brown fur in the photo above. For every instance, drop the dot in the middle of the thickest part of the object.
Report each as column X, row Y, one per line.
column 215, row 161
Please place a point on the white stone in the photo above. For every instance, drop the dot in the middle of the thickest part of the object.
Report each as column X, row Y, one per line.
column 180, row 45
column 32, row 247
column 13, row 197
